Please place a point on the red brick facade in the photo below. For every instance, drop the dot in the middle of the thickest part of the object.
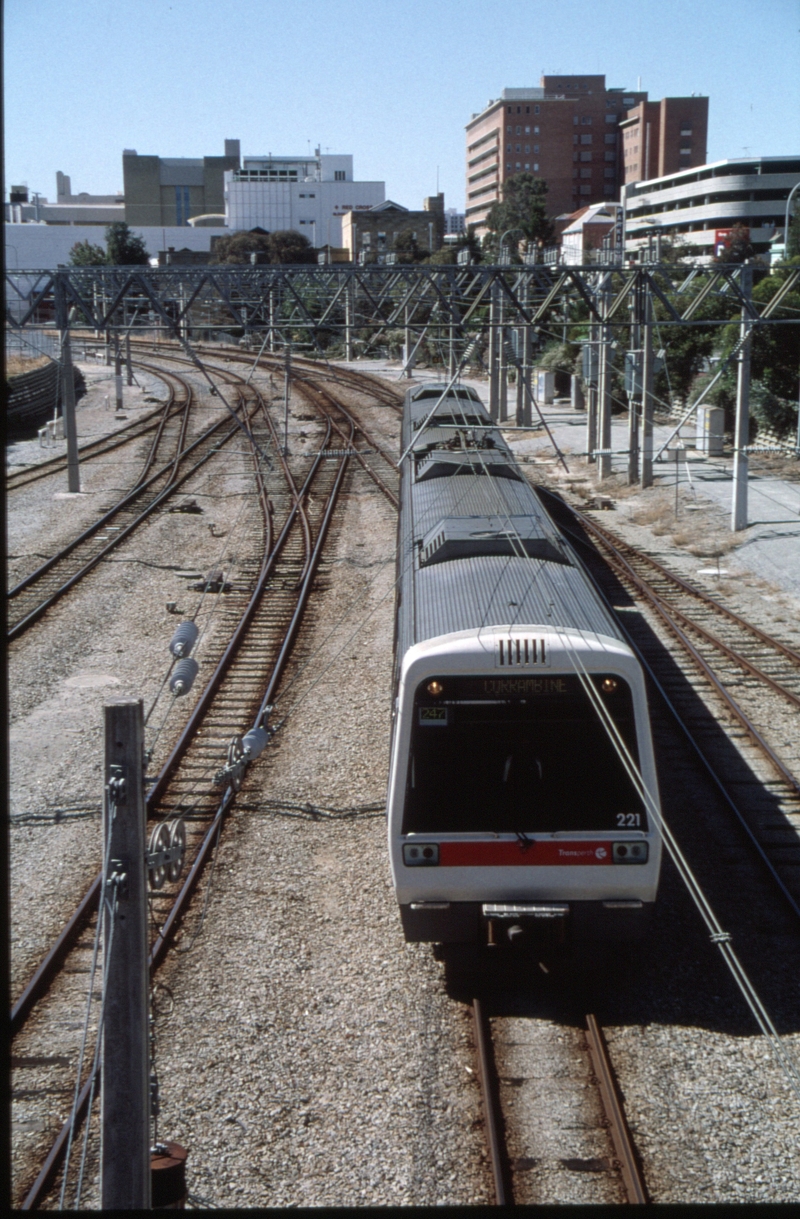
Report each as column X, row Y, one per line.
column 660, row 138
column 569, row 132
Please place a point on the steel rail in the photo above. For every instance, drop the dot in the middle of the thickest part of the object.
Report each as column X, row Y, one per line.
column 627, row 1158
column 666, row 616
column 690, row 737
column 148, row 422
column 702, row 596
column 203, row 703
column 33, row 616
column 503, row 1196
column 50, row 964
column 168, row 928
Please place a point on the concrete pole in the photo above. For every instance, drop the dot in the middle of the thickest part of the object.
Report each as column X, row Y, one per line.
column 68, row 407
column 634, row 399
column 125, row 1107
column 742, row 432
column 502, row 403
column 118, row 375
column 348, row 323
column 128, row 364
column 407, row 347
column 494, row 371
column 647, row 391
column 591, row 399
column 604, row 374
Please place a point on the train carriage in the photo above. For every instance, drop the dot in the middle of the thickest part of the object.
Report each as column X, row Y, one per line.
column 510, row 807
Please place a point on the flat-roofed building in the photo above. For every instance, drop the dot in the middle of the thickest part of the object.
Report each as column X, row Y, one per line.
column 660, row 138
column 564, row 131
column 698, row 206
column 310, row 194
column 170, row 190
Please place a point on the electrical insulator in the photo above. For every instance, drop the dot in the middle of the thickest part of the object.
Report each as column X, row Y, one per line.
column 183, row 675
column 255, row 741
column 183, row 640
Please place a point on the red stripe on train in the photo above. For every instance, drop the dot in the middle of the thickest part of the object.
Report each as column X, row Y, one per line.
column 536, row 854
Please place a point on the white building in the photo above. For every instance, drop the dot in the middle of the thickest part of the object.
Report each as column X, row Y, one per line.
column 697, row 206
column 43, row 247
column 309, row 194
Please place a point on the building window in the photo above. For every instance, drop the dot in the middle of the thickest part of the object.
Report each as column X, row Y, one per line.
column 611, row 139
column 518, row 165
column 519, row 131
column 686, row 131
column 574, row 173
column 686, row 152
column 612, row 156
column 509, row 148
column 586, row 156
column 508, row 167
column 586, row 139
column 608, row 173
column 519, row 148
column 527, row 130
column 510, row 109
column 536, row 148
column 586, row 190
column 575, row 119
column 586, row 120
column 536, row 111
column 182, row 205
column 586, row 173
column 527, row 165
column 536, row 167
column 608, row 189
column 536, row 130
column 611, row 118
column 527, row 109
column 508, row 129
column 519, row 109
column 574, row 139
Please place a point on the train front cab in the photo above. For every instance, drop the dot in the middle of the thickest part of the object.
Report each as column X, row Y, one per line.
column 510, row 811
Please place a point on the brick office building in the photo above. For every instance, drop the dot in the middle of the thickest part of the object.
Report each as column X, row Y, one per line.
column 661, row 138
column 566, row 131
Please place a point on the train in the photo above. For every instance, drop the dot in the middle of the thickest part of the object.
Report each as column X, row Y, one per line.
column 522, row 795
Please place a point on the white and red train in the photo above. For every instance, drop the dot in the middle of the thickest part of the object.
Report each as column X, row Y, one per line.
column 508, row 802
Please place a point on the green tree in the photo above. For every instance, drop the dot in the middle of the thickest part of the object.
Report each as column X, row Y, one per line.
column 407, row 249
column 793, row 250
column 523, row 207
column 84, row 254
column 738, row 248
column 125, row 249
column 286, row 246
column 237, row 248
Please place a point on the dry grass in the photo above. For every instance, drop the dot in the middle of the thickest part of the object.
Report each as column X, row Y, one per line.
column 16, row 365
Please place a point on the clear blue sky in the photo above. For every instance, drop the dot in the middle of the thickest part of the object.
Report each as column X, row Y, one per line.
column 391, row 81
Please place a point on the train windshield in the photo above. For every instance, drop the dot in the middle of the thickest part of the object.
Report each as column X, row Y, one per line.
column 523, row 754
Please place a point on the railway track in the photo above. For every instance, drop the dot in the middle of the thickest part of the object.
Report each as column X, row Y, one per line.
column 149, row 422
column 244, row 682
column 741, row 681
column 548, row 1093
column 32, row 596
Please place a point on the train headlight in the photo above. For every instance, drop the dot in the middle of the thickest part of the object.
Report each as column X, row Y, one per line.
column 609, row 685
column 435, row 688
column 631, row 852
column 420, row 855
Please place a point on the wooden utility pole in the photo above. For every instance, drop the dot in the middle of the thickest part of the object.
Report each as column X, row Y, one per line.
column 125, row 1150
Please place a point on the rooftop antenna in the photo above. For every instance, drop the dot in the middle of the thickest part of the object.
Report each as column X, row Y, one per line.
column 437, row 179
column 638, row 84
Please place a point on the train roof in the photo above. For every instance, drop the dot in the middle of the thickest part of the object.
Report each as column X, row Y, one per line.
column 478, row 548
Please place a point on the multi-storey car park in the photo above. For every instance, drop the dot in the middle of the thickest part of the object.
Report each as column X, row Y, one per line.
column 697, row 206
